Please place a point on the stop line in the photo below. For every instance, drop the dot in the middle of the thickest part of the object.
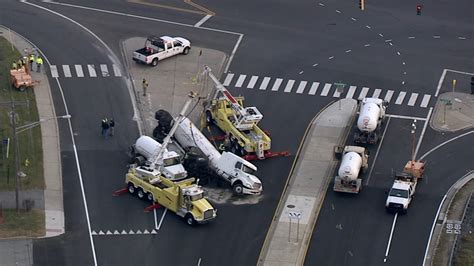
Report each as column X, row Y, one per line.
column 325, row 89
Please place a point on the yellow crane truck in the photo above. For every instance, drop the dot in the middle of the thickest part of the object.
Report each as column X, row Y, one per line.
column 185, row 198
column 237, row 122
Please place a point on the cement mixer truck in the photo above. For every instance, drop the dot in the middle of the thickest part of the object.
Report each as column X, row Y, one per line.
column 369, row 122
column 354, row 159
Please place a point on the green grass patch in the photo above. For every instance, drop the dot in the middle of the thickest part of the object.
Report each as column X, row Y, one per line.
column 29, row 141
column 465, row 255
column 23, row 223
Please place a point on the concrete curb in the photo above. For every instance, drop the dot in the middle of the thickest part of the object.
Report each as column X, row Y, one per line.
column 450, row 114
column 53, row 192
column 441, row 215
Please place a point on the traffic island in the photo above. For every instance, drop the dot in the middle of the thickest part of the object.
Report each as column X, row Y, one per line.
column 290, row 233
column 454, row 111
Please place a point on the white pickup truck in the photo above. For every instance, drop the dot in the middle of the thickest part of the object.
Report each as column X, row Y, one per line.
column 159, row 48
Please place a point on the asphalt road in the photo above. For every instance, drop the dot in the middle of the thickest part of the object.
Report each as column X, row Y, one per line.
column 286, row 47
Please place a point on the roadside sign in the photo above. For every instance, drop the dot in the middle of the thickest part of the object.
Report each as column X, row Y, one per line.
column 296, row 215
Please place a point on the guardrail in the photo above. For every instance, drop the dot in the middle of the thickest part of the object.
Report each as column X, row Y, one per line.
column 465, row 226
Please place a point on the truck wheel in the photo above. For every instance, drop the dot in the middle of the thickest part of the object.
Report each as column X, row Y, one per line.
column 22, row 88
column 238, row 188
column 139, row 160
column 189, row 219
column 131, row 188
column 209, row 120
column 140, row 193
column 186, row 50
column 149, row 196
column 154, row 62
column 242, row 151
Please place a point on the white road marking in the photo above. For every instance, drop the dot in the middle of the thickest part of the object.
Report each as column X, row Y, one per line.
column 289, row 85
column 154, row 215
column 425, row 101
column 390, row 238
column 367, row 45
column 54, row 71
column 377, row 152
column 363, row 93
column 461, row 38
column 400, row 97
column 403, row 82
column 338, row 11
column 315, row 64
column 376, row 93
column 91, row 69
column 440, row 82
column 228, row 79
column 301, row 87
column 240, row 81
column 277, row 84
column 368, row 27
column 67, row 71
column 252, row 82
column 331, row 57
column 199, row 262
column 411, row 37
column 301, row 72
column 444, row 143
column 241, row 36
column 389, row 40
column 104, row 69
column 380, row 34
column 350, row 92
column 412, row 100
column 436, row 37
column 348, row 51
column 423, row 131
column 79, row 71
column 353, row 19
column 326, row 89
column 336, row 94
column 432, row 228
column 388, row 96
column 321, row 4
column 161, row 220
column 204, row 19
column 314, row 88
column 264, row 84
column 398, row 53
column 391, row 44
column 461, row 72
column 117, row 71
column 406, row 117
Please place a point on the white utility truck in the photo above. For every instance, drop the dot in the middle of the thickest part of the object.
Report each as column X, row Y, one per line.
column 354, row 159
column 159, row 48
column 185, row 198
column 404, row 187
column 234, row 169
column 144, row 148
column 369, row 122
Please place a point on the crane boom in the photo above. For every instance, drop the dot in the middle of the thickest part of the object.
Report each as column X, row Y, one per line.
column 157, row 157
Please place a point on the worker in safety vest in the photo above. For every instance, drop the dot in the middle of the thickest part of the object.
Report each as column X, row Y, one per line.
column 19, row 63
column 39, row 63
column 14, row 65
column 31, row 59
column 105, row 127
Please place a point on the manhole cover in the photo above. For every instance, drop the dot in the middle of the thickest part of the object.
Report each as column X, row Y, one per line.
column 291, row 206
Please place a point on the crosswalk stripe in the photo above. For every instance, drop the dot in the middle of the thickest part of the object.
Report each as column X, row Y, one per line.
column 336, row 93
column 388, row 96
column 301, row 87
column 351, row 91
column 240, row 81
column 228, row 79
column 252, row 82
column 277, row 84
column 289, row 85
column 363, row 93
column 314, row 88
column 79, row 71
column 326, row 89
column 54, row 71
column 412, row 100
column 91, row 69
column 117, row 71
column 105, row 70
column 425, row 101
column 376, row 93
column 400, row 97
column 264, row 84
column 67, row 71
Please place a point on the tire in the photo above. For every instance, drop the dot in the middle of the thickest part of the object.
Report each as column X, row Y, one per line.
column 22, row 88
column 154, row 62
column 242, row 151
column 149, row 197
column 131, row 188
column 189, row 219
column 209, row 120
column 186, row 50
column 238, row 188
column 140, row 193
column 139, row 160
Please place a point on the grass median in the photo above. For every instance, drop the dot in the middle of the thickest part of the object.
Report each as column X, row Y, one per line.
column 30, row 150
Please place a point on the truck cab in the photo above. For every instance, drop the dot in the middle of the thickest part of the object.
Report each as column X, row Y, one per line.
column 240, row 174
column 159, row 48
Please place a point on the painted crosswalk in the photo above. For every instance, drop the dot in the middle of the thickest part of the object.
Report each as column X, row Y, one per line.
column 316, row 88
column 85, row 71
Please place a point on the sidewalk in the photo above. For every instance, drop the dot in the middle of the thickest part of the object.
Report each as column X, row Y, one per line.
column 51, row 199
column 307, row 186
column 453, row 112
column 170, row 81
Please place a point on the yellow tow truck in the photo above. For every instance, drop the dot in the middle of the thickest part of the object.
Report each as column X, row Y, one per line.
column 238, row 123
column 185, row 198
